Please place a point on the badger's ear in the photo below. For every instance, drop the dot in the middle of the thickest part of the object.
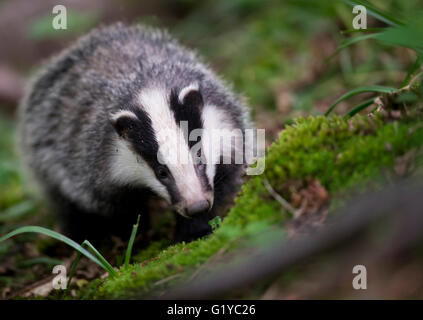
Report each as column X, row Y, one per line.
column 191, row 96
column 123, row 121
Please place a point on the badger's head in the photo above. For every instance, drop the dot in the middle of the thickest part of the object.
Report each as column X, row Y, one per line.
column 158, row 146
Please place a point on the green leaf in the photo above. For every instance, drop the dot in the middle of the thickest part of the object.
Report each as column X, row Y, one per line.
column 349, row 31
column 350, row 41
column 39, row 260
column 360, row 107
column 87, row 244
column 78, row 22
column 60, row 237
column 106, row 264
column 376, row 12
column 17, row 211
column 215, row 222
column 409, row 36
column 380, row 89
column 131, row 242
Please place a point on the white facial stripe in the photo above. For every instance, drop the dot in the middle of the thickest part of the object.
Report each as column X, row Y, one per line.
column 216, row 124
column 187, row 89
column 123, row 113
column 128, row 168
column 171, row 140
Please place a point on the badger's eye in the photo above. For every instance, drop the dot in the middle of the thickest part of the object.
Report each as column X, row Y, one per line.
column 163, row 173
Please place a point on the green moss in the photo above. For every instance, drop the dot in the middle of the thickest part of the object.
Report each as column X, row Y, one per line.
column 152, row 251
column 340, row 153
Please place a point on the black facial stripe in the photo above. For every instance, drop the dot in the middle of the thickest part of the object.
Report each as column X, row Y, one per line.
column 141, row 136
column 175, row 196
column 189, row 111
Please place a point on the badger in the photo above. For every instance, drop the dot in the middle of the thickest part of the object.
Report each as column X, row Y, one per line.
column 101, row 123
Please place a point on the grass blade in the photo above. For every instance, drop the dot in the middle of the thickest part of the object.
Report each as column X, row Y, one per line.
column 380, row 89
column 57, row 236
column 376, row 12
column 17, row 211
column 131, row 242
column 73, row 269
column 44, row 260
column 409, row 36
column 351, row 41
column 360, row 107
column 108, row 266
column 349, row 31
column 87, row 244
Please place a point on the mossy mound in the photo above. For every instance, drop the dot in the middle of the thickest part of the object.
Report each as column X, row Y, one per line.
column 341, row 154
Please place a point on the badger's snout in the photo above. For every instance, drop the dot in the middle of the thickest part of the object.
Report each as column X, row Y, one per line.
column 194, row 208
column 197, row 208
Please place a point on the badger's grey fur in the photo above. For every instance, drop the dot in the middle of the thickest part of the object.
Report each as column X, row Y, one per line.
column 89, row 130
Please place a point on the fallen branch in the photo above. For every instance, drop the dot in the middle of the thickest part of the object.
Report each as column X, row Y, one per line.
column 403, row 202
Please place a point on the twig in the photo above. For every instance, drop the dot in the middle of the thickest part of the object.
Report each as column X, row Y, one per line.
column 285, row 204
column 412, row 80
column 167, row 279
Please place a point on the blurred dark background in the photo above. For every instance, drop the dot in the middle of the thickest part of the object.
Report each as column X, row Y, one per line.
column 273, row 51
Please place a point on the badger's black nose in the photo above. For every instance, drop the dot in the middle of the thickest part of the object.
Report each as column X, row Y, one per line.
column 198, row 208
